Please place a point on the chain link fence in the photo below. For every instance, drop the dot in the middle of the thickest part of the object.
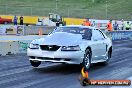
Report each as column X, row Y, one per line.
column 103, row 12
column 35, row 11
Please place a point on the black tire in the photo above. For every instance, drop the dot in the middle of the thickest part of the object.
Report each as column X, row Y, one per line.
column 87, row 59
column 108, row 58
column 64, row 63
column 35, row 63
column 84, row 83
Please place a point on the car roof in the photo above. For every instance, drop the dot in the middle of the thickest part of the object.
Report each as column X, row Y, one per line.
column 79, row 26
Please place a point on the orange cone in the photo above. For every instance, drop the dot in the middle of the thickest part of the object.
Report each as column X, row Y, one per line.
column 98, row 25
column 40, row 32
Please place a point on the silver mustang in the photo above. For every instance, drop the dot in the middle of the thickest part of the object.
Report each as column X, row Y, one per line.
column 72, row 45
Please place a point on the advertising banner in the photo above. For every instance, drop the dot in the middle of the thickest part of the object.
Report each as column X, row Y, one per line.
column 11, row 29
column 121, row 35
column 2, row 30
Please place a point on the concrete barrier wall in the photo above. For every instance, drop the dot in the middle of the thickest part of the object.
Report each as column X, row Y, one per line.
column 9, row 47
column 23, row 45
column 34, row 30
column 19, row 44
column 24, row 30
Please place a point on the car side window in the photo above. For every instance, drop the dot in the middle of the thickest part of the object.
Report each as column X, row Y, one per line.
column 86, row 33
column 97, row 35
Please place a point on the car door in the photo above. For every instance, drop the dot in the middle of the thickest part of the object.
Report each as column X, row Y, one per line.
column 99, row 47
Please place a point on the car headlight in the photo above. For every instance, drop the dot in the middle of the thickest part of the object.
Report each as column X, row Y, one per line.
column 34, row 46
column 70, row 48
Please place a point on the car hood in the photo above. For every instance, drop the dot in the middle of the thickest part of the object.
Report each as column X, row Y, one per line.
column 61, row 39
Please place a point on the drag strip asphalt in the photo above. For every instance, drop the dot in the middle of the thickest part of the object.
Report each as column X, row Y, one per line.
column 16, row 71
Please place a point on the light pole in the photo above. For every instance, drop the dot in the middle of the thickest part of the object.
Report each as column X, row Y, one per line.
column 56, row 5
column 68, row 12
column 31, row 11
column 106, row 9
column 131, row 17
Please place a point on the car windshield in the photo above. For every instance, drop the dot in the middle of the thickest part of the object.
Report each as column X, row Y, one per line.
column 85, row 32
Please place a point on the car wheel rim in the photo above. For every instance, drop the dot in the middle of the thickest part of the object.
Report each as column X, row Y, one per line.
column 87, row 61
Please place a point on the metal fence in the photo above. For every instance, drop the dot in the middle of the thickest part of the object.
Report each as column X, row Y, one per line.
column 42, row 11
column 104, row 12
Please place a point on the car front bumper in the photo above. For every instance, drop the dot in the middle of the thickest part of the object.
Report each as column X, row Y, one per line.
column 70, row 57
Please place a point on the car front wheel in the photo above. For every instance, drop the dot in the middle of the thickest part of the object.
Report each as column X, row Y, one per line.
column 87, row 59
column 35, row 63
column 107, row 58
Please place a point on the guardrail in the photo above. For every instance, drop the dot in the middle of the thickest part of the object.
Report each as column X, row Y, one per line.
column 15, row 44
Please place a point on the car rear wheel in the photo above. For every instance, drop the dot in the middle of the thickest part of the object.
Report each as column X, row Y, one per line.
column 87, row 59
column 35, row 63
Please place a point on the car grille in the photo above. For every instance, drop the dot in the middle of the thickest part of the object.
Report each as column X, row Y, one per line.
column 49, row 47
